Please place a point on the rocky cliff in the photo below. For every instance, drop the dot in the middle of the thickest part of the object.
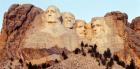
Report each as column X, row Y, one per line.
column 135, row 24
column 16, row 21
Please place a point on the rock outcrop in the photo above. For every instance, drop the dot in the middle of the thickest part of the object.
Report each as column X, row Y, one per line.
column 135, row 24
column 130, row 36
column 120, row 21
column 16, row 21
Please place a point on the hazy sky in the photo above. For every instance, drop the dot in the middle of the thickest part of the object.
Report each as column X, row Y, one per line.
column 82, row 9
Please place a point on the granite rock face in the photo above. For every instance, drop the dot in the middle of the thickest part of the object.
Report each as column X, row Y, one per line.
column 130, row 36
column 16, row 21
column 117, row 15
column 135, row 24
column 107, row 34
column 120, row 20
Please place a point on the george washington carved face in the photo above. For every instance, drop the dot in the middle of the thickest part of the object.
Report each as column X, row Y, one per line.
column 52, row 14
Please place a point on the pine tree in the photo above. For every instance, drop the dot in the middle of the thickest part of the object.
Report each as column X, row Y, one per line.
column 105, row 54
column 89, row 51
column 110, row 63
column 103, row 61
column 116, row 58
column 35, row 67
column 95, row 48
column 29, row 65
column 12, row 59
column 56, row 61
column 77, row 51
column 132, row 64
column 108, row 53
column 43, row 65
column 100, row 56
column 97, row 54
column 64, row 55
column 83, row 53
column 82, row 44
column 91, row 46
column 20, row 61
column 86, row 45
column 121, row 63
column 48, row 65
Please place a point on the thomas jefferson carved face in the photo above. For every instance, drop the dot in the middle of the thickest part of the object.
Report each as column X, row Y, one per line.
column 88, row 31
column 68, row 19
column 88, row 26
column 52, row 14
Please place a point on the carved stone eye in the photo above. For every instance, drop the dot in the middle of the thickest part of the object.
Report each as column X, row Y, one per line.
column 98, row 25
column 53, row 11
column 80, row 26
column 93, row 26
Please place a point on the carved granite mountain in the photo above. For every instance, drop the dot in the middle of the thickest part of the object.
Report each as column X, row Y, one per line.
column 32, row 35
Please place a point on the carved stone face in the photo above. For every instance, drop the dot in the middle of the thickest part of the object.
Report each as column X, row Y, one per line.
column 68, row 19
column 105, row 35
column 52, row 14
column 97, row 26
column 88, row 26
column 80, row 28
column 88, row 31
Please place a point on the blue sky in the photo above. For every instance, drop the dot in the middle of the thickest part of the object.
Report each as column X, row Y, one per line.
column 82, row 9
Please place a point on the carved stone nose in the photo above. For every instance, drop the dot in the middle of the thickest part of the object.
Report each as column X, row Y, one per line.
column 69, row 20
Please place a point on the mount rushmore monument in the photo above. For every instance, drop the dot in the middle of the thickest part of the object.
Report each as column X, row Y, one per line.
column 35, row 36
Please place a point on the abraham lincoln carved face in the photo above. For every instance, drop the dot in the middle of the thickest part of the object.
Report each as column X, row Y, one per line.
column 97, row 26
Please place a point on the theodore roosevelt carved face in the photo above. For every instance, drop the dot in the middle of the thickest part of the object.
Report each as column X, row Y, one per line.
column 80, row 27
